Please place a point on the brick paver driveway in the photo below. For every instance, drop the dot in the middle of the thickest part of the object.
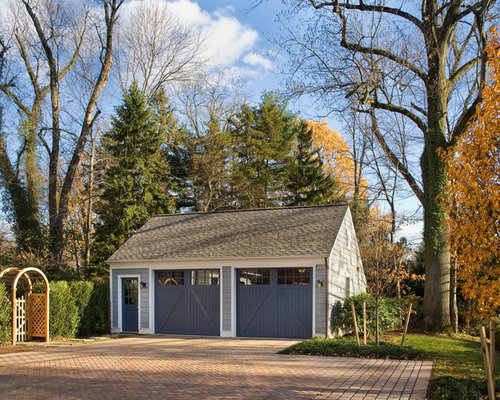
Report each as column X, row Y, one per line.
column 159, row 367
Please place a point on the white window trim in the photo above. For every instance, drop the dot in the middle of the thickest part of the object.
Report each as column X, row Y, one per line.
column 120, row 295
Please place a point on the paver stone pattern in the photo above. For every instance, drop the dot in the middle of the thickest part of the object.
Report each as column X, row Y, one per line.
column 167, row 367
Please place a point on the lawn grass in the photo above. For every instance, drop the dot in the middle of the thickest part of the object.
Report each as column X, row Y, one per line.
column 458, row 372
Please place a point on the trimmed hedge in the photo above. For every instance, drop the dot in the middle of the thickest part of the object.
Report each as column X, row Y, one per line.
column 389, row 314
column 77, row 308
column 5, row 314
column 64, row 310
column 95, row 316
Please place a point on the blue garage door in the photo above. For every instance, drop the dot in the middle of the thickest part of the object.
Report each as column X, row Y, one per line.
column 188, row 302
column 275, row 302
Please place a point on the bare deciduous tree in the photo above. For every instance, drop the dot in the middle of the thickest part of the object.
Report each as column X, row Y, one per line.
column 432, row 57
column 54, row 24
column 156, row 48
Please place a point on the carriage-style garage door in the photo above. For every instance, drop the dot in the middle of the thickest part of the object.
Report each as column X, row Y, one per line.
column 274, row 302
column 188, row 302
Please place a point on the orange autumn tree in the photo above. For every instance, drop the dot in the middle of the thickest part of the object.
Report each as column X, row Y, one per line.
column 336, row 156
column 473, row 168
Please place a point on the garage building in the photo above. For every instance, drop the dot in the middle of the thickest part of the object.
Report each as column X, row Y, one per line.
column 276, row 272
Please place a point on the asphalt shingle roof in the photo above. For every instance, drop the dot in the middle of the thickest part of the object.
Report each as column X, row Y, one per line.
column 270, row 232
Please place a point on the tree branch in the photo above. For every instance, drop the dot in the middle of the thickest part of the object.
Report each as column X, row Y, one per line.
column 463, row 122
column 5, row 88
column 373, row 8
column 463, row 69
column 394, row 159
column 44, row 142
column 24, row 56
column 403, row 111
column 373, row 50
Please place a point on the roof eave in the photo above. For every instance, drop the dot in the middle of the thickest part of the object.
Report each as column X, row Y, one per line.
column 173, row 260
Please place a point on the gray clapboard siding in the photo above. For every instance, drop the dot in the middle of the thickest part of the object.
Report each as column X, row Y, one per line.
column 345, row 261
column 143, row 293
column 226, row 298
column 320, row 300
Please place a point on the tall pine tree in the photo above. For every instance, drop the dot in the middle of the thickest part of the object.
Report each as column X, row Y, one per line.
column 308, row 184
column 262, row 138
column 209, row 168
column 136, row 181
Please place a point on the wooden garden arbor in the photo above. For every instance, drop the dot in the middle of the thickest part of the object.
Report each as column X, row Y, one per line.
column 30, row 302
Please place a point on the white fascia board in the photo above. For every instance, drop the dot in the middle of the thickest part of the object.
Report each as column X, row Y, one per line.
column 269, row 262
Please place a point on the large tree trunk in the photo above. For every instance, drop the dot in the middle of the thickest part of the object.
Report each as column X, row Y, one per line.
column 436, row 231
column 31, row 168
column 453, row 295
column 57, row 230
column 27, row 226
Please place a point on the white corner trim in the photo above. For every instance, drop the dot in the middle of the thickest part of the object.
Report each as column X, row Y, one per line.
column 314, row 310
column 111, row 299
column 152, row 304
column 221, row 299
column 120, row 292
column 234, row 284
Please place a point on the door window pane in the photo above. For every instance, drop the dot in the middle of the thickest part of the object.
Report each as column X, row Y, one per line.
column 130, row 291
column 254, row 276
column 170, row 278
column 205, row 277
column 294, row 276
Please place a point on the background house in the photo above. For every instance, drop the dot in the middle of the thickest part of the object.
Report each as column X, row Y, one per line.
column 266, row 273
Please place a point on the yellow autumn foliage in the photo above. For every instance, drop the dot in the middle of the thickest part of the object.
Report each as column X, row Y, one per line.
column 473, row 168
column 336, row 156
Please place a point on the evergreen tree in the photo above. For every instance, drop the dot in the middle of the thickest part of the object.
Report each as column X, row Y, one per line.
column 308, row 184
column 209, row 169
column 177, row 148
column 262, row 141
column 136, row 182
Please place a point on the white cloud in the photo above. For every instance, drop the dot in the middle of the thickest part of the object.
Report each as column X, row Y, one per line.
column 226, row 38
column 257, row 60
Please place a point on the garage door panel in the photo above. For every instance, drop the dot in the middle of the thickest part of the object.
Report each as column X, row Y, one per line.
column 184, row 307
column 280, row 306
column 204, row 310
column 294, row 316
column 171, row 309
column 256, row 307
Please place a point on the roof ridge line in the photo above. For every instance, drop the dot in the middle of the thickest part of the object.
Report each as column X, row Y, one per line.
column 251, row 209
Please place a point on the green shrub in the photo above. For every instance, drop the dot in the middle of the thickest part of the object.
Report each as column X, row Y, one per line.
column 453, row 388
column 347, row 347
column 64, row 310
column 389, row 314
column 95, row 317
column 78, row 308
column 5, row 314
